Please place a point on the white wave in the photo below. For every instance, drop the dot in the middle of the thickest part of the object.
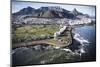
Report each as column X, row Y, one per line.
column 80, row 39
column 82, row 50
column 68, row 50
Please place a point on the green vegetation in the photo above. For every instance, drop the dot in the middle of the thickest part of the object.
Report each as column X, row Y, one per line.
column 61, row 42
column 35, row 30
column 40, row 30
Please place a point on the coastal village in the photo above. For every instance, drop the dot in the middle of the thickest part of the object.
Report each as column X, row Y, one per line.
column 56, row 37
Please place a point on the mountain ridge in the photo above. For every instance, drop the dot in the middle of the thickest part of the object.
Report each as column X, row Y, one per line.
column 49, row 12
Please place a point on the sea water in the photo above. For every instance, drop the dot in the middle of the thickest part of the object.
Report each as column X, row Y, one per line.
column 87, row 34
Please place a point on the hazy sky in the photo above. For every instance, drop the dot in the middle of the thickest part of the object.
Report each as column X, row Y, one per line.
column 16, row 6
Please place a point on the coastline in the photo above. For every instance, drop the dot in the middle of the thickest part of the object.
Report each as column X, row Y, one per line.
column 70, row 35
column 41, row 50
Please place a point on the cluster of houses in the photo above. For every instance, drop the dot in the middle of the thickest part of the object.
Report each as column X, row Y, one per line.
column 67, row 23
column 80, row 21
column 58, row 33
column 31, row 20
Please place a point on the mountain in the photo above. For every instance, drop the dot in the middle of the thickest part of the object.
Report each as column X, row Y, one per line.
column 48, row 12
column 25, row 11
column 75, row 12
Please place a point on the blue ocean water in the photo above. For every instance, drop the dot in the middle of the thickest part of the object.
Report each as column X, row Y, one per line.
column 89, row 34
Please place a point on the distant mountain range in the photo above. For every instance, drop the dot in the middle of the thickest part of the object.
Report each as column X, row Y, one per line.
column 49, row 12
